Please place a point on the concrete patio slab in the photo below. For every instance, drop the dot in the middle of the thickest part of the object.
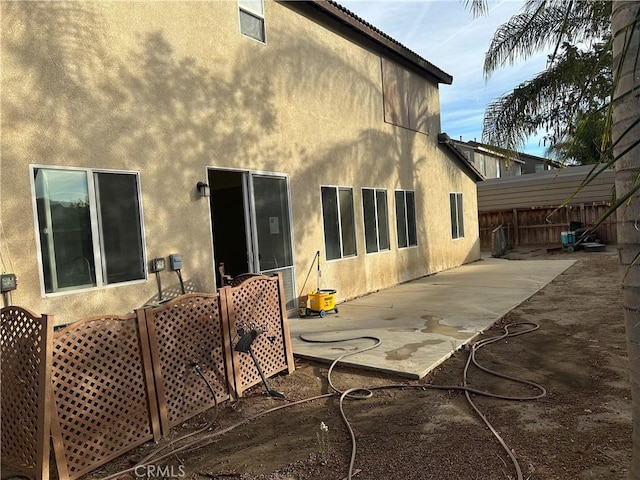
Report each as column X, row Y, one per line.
column 422, row 322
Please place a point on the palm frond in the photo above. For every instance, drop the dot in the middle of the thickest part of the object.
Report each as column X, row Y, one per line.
column 543, row 25
column 618, row 203
column 576, row 82
column 478, row 8
column 601, row 167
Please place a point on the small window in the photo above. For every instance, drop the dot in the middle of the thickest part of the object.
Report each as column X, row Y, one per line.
column 90, row 228
column 457, row 215
column 339, row 222
column 376, row 223
column 406, row 218
column 252, row 19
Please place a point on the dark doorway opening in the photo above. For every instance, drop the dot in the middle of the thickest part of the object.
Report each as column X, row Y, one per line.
column 228, row 223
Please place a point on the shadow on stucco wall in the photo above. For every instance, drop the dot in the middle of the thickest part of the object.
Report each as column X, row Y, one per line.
column 73, row 101
column 381, row 156
column 375, row 153
column 68, row 100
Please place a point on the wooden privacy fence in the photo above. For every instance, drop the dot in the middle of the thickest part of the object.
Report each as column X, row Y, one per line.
column 544, row 225
column 103, row 385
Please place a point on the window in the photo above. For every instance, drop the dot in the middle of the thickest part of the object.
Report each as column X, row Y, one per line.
column 252, row 19
column 457, row 215
column 90, row 228
column 406, row 218
column 376, row 223
column 339, row 222
column 483, row 166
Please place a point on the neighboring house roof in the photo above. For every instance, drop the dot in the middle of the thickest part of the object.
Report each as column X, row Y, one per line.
column 487, row 150
column 545, row 189
column 444, row 139
column 349, row 24
column 521, row 157
column 548, row 161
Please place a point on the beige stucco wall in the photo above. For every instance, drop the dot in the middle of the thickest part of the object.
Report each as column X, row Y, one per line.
column 169, row 89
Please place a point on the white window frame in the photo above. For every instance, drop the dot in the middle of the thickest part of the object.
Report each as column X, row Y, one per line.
column 341, row 232
column 245, row 7
column 456, row 206
column 377, row 219
column 406, row 218
column 98, row 241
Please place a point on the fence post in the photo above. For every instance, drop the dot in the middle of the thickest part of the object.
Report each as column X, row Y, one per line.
column 232, row 364
column 232, row 357
column 149, row 373
column 56, row 438
column 288, row 349
column 516, row 228
column 156, row 371
column 43, row 447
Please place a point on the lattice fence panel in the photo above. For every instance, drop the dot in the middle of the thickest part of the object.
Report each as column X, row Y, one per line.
column 185, row 332
column 257, row 302
column 23, row 338
column 102, row 399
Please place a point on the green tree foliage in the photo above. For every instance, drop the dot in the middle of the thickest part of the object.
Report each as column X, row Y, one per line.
column 587, row 142
column 569, row 100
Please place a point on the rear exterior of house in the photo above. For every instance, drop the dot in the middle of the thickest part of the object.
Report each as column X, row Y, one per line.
column 307, row 129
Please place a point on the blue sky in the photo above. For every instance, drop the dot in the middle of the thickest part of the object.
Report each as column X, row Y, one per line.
column 447, row 35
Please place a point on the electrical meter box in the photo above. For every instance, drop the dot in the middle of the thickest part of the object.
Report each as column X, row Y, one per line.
column 157, row 265
column 8, row 282
column 175, row 261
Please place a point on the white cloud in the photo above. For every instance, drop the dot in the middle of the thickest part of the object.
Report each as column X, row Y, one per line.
column 447, row 35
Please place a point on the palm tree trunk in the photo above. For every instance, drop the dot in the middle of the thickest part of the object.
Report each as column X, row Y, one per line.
column 625, row 111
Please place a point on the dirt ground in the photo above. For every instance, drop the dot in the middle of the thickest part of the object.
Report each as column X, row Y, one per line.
column 580, row 430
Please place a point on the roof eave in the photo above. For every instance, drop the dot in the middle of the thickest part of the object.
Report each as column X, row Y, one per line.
column 444, row 139
column 373, row 37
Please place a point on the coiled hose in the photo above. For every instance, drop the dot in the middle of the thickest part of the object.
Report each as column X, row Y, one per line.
column 362, row 393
